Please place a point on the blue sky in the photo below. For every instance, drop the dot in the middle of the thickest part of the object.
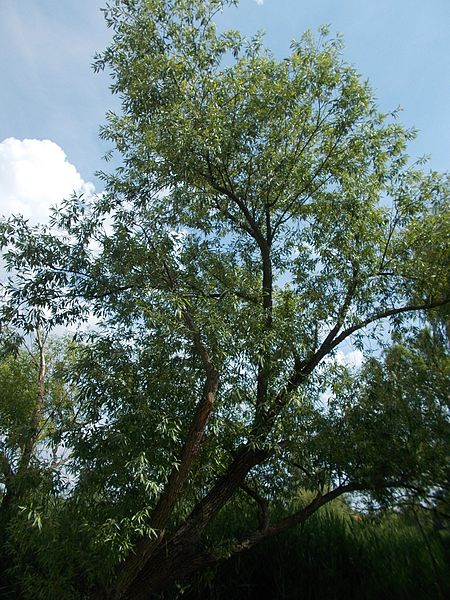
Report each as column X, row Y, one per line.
column 49, row 92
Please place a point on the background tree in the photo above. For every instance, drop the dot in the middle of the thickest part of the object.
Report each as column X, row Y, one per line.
column 265, row 212
column 36, row 411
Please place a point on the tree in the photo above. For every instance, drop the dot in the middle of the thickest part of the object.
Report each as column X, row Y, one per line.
column 36, row 409
column 265, row 213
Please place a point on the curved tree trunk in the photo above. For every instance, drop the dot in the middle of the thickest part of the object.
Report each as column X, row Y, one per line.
column 182, row 555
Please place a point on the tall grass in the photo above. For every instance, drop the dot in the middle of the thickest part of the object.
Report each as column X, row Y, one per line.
column 336, row 555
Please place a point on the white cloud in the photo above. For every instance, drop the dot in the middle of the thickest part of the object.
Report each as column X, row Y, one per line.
column 35, row 175
column 260, row 2
column 352, row 359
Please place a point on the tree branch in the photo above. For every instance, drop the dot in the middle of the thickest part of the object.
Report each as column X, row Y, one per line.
column 5, row 467
column 304, row 368
column 252, row 228
column 180, row 472
column 38, row 408
column 263, row 506
column 295, row 518
column 309, row 365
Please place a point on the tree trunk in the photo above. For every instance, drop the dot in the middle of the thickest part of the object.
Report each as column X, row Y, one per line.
column 182, row 555
column 177, row 555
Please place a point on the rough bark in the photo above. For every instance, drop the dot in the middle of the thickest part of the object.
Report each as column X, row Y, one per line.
column 182, row 555
column 132, row 583
column 179, row 475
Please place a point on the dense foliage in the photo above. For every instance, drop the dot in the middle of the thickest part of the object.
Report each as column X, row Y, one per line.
column 337, row 553
column 265, row 214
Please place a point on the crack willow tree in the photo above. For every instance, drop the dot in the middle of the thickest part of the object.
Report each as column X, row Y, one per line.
column 265, row 214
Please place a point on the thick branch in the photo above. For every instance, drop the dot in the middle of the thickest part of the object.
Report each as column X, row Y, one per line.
column 303, row 369
column 332, row 343
column 295, row 518
column 248, row 457
column 189, row 533
column 182, row 556
column 222, row 491
column 180, row 472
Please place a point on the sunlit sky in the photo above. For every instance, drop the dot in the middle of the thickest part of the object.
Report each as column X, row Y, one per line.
column 49, row 92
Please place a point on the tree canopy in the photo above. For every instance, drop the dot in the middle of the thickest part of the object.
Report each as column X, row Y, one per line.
column 264, row 214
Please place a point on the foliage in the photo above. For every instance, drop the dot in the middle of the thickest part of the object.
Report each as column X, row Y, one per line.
column 339, row 554
column 36, row 410
column 403, row 401
column 264, row 214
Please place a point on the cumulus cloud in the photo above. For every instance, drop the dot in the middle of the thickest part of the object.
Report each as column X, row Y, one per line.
column 260, row 2
column 35, row 175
